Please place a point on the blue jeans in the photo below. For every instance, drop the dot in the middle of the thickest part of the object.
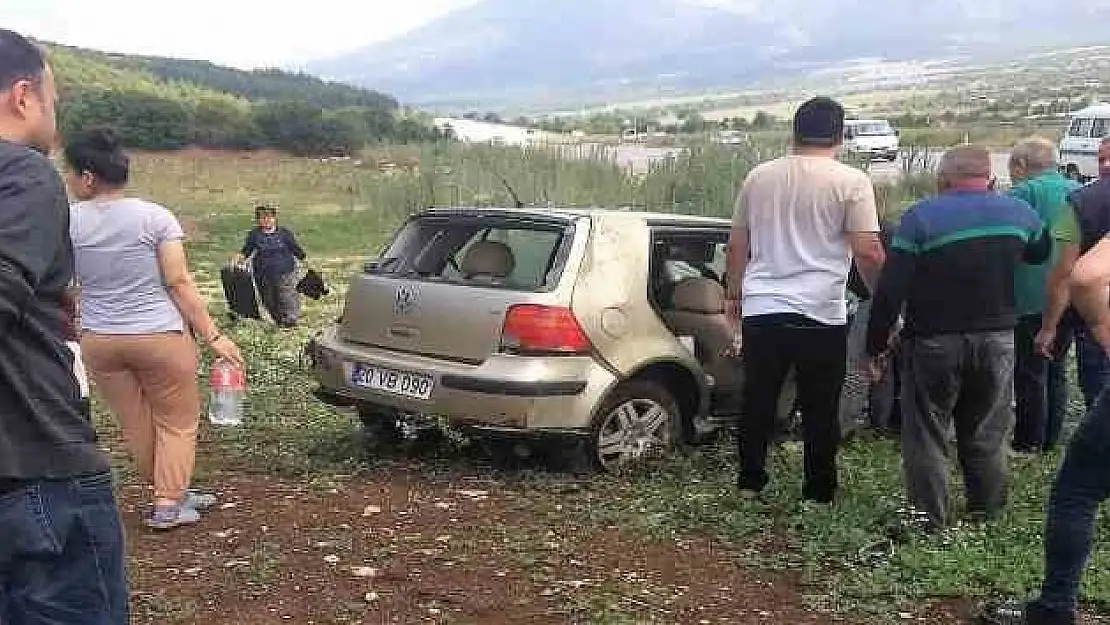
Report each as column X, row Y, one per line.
column 1082, row 484
column 1094, row 366
column 62, row 554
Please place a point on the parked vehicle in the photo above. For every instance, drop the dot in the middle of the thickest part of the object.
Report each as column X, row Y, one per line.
column 732, row 137
column 604, row 329
column 1079, row 146
column 871, row 138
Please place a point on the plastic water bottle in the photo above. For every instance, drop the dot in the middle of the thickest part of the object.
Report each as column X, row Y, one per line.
column 228, row 394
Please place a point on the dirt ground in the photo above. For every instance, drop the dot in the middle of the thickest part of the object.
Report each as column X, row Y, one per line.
column 406, row 548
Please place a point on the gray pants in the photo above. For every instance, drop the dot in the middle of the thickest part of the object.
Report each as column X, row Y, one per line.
column 965, row 382
column 280, row 297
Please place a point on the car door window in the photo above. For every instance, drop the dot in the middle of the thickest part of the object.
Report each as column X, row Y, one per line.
column 682, row 255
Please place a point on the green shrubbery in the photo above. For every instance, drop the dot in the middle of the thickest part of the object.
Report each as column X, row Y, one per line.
column 163, row 104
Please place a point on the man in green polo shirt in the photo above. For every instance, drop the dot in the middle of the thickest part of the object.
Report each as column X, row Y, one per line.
column 1040, row 384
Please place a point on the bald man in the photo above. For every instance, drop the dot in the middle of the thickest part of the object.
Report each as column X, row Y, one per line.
column 1040, row 380
column 952, row 267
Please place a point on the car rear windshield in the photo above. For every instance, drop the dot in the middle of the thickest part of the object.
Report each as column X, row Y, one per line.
column 498, row 252
column 872, row 129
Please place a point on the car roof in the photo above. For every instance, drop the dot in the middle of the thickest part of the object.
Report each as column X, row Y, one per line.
column 651, row 218
column 1095, row 110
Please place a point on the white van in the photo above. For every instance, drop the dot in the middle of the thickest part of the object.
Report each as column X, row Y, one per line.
column 872, row 138
column 1079, row 147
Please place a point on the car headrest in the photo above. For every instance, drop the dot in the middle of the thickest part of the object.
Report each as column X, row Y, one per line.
column 488, row 259
column 699, row 295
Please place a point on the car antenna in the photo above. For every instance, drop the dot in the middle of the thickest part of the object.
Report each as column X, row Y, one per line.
column 508, row 187
column 516, row 198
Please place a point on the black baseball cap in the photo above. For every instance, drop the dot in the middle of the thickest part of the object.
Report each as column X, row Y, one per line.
column 819, row 122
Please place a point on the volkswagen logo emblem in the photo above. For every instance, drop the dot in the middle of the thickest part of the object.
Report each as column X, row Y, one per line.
column 405, row 301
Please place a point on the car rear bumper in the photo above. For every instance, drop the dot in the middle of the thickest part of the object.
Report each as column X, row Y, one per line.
column 511, row 393
column 877, row 152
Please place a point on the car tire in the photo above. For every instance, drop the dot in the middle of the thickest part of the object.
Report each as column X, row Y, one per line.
column 642, row 436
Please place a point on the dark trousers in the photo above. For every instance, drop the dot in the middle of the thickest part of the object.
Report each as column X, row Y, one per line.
column 965, row 382
column 1040, row 387
column 62, row 554
column 280, row 297
column 1094, row 366
column 773, row 344
column 1081, row 486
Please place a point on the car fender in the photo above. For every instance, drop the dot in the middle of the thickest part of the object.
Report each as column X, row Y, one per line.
column 701, row 404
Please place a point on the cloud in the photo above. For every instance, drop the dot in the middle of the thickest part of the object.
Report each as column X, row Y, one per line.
column 242, row 33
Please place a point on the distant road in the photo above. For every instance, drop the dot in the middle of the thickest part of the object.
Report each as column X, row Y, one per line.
column 638, row 158
column 883, row 171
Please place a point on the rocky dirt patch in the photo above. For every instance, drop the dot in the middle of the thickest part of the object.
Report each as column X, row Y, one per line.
column 406, row 549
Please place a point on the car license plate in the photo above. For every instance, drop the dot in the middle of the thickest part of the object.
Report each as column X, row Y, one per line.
column 392, row 381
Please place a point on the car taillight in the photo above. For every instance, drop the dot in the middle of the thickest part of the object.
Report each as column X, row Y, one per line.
column 535, row 329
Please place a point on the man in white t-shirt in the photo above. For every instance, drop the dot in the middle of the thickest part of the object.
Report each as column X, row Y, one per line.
column 798, row 223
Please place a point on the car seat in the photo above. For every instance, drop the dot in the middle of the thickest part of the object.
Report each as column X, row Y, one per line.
column 698, row 310
column 488, row 261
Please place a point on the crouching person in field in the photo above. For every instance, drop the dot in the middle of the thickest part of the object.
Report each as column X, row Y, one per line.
column 952, row 267
column 274, row 251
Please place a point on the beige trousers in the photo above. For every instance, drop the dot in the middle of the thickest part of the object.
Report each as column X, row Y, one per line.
column 149, row 382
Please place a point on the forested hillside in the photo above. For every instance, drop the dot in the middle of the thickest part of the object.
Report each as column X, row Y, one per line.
column 166, row 104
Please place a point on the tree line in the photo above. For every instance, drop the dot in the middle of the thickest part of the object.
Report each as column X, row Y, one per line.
column 163, row 104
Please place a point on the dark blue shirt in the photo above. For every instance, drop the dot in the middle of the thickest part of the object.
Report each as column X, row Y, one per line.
column 952, row 266
column 275, row 253
column 1092, row 207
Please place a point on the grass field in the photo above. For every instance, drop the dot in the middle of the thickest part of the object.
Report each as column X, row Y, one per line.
column 842, row 560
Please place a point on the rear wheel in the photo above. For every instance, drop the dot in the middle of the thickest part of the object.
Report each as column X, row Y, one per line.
column 639, row 420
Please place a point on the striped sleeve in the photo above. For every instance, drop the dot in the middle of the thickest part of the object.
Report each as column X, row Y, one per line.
column 908, row 237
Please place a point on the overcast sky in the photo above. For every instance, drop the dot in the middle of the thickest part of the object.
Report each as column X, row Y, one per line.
column 242, row 33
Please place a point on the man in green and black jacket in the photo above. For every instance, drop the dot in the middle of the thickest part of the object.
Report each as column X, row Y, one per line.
column 1040, row 383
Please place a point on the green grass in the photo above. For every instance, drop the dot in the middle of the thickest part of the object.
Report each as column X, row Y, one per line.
column 846, row 553
column 344, row 212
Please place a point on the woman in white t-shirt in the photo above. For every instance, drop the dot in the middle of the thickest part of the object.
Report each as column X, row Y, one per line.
column 140, row 311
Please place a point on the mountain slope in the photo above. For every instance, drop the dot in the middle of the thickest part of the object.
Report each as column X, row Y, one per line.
column 256, row 86
column 509, row 48
column 164, row 104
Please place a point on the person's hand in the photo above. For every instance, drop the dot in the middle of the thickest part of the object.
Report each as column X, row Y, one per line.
column 1045, row 342
column 732, row 312
column 226, row 349
column 876, row 368
column 735, row 349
